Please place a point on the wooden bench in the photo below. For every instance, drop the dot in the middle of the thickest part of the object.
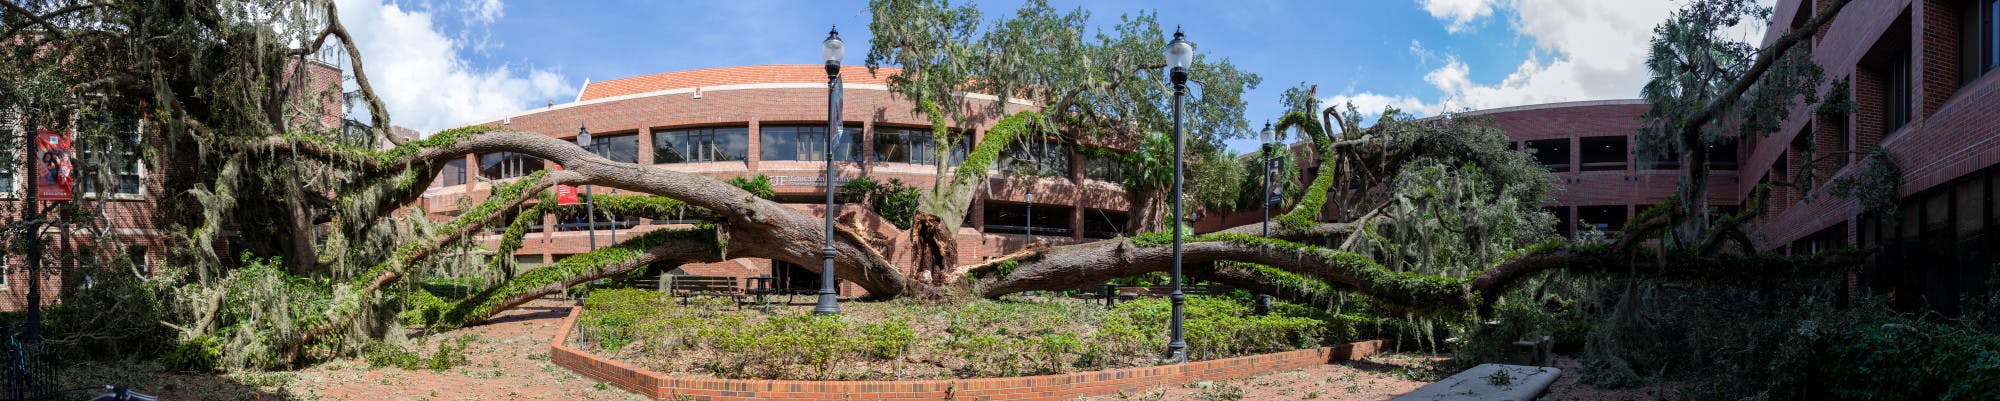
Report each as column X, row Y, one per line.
column 686, row 287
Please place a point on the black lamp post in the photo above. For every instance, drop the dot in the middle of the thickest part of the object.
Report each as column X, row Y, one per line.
column 1268, row 136
column 1031, row 217
column 832, row 50
column 589, row 206
column 1180, row 54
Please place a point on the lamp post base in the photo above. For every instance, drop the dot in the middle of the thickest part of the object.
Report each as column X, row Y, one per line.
column 827, row 305
column 1174, row 356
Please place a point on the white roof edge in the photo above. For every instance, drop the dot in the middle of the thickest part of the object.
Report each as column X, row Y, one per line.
column 716, row 88
column 581, row 89
column 1556, row 105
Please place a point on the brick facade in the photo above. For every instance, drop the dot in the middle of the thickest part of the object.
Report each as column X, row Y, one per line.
column 1030, row 388
column 1953, row 130
column 759, row 97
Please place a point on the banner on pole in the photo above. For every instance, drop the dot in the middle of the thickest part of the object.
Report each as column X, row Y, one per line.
column 55, row 174
column 565, row 194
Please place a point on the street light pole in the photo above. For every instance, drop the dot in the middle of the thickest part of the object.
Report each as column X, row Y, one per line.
column 1265, row 197
column 1180, row 53
column 1031, row 217
column 832, row 49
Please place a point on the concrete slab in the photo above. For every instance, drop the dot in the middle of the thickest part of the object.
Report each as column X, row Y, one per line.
column 1489, row 382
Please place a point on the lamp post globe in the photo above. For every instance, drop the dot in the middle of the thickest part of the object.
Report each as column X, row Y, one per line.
column 832, row 50
column 1179, row 54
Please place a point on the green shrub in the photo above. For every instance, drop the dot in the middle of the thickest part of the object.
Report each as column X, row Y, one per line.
column 199, row 354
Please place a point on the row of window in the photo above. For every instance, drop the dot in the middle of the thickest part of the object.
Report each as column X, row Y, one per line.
column 801, row 143
column 1609, row 153
column 127, row 172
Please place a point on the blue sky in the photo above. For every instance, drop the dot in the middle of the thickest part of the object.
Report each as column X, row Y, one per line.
column 447, row 62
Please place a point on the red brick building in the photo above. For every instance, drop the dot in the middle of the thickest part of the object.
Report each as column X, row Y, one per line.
column 137, row 188
column 1924, row 89
column 769, row 120
column 1603, row 179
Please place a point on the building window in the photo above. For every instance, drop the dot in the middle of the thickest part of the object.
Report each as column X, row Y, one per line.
column 121, row 156
column 808, row 143
column 1103, row 223
column 1978, row 39
column 453, row 174
column 1104, row 168
column 621, row 148
column 1897, row 114
column 700, row 145
column 137, row 256
column 1551, row 153
column 915, row 146
column 1603, row 153
column 504, row 165
column 1722, row 156
column 1036, row 158
column 11, row 146
column 1601, row 218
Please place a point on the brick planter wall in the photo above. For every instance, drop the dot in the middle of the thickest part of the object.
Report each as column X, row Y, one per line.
column 1048, row 387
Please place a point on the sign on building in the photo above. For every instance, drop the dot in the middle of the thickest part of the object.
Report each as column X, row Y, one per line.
column 55, row 174
column 565, row 194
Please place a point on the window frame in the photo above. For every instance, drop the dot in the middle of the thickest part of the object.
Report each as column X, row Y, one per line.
column 714, row 140
column 919, row 143
column 808, row 151
column 517, row 171
column 133, row 156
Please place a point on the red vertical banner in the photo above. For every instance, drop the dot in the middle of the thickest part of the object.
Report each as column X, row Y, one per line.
column 55, row 174
column 565, row 194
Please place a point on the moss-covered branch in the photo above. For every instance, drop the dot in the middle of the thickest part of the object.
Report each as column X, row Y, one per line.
column 687, row 245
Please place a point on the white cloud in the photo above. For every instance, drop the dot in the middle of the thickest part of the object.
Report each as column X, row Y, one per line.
column 1584, row 50
column 422, row 78
column 1458, row 13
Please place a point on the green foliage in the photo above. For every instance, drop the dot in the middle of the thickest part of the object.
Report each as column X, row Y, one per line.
column 759, row 185
column 200, row 354
column 450, row 353
column 1875, row 186
column 1216, row 180
column 439, row 315
column 1004, row 132
column 1215, row 327
column 978, row 339
column 893, row 200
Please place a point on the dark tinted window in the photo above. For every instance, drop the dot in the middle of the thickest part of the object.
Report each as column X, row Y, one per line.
column 1551, row 153
column 1037, row 158
column 918, row 146
column 504, row 165
column 807, row 142
column 621, row 148
column 700, row 145
column 453, row 174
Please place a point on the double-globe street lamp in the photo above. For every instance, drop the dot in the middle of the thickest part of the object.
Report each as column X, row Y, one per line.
column 1180, row 54
column 832, row 49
